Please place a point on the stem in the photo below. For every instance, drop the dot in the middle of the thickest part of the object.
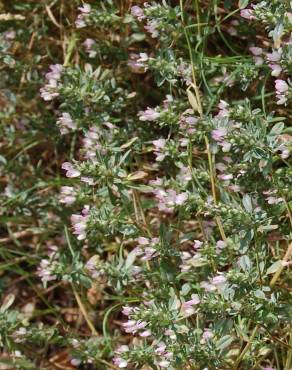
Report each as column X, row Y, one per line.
column 220, row 227
column 141, row 210
column 246, row 348
column 200, row 110
column 212, row 178
column 84, row 312
column 108, row 364
column 197, row 92
column 198, row 16
column 289, row 356
column 70, row 49
column 288, row 210
column 280, row 269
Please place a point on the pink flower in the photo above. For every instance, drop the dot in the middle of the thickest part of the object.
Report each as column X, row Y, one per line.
column 207, row 286
column 169, row 199
column 227, row 159
column 146, row 248
column 122, row 349
column 120, row 362
column 275, row 56
column 149, row 115
column 149, row 253
column 281, row 86
column 137, row 12
column 127, row 310
column 285, row 153
column 225, row 146
column 67, row 195
column 184, row 142
column 234, row 188
column 86, row 8
column 187, row 307
column 207, row 335
column 184, row 175
column 88, row 44
column 170, row 333
column 157, row 182
column 159, row 144
column 223, row 109
column 135, row 66
column 87, row 180
column 225, row 177
column 247, row 13
column 79, row 223
column 80, row 23
column 9, row 35
column 193, row 302
column 75, row 361
column 219, row 280
column 276, row 69
column 143, row 57
column 46, row 271
column 145, row 333
column 143, row 241
column 47, row 95
column 161, row 348
column 151, row 27
column 219, row 134
column 132, row 326
column 274, row 200
column 256, row 51
column 141, row 324
column 223, row 104
column 137, row 62
column 48, row 92
column 281, row 99
column 197, row 244
column 55, row 72
column 181, row 198
column 220, row 166
column 220, row 244
column 65, row 122
column 281, row 91
column 71, row 171
column 191, row 120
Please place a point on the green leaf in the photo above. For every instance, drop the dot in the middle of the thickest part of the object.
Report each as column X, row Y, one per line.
column 130, row 259
column 246, row 240
column 8, row 301
column 185, row 289
column 274, row 267
column 277, row 129
column 138, row 36
column 129, row 143
column 143, row 188
column 241, row 333
column 246, row 200
column 243, row 4
column 259, row 294
column 245, row 263
column 224, row 342
column 262, row 229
